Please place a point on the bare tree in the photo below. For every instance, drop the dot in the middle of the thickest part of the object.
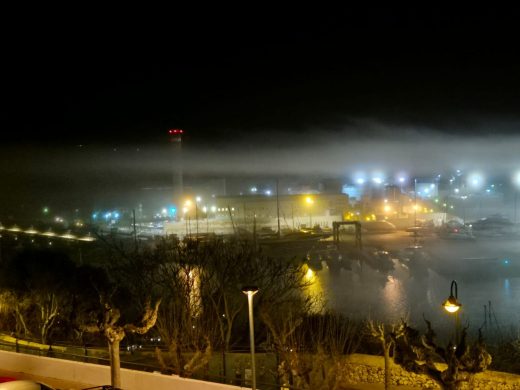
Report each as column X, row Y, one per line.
column 419, row 353
column 184, row 323
column 39, row 281
column 17, row 304
column 48, row 304
column 125, row 286
column 311, row 347
column 203, row 283
column 385, row 334
column 114, row 332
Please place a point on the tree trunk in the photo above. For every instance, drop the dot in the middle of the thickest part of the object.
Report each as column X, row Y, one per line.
column 20, row 321
column 115, row 364
column 178, row 355
column 386, row 348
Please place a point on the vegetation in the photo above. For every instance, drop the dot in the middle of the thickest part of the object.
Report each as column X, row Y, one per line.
column 385, row 335
column 189, row 294
column 420, row 353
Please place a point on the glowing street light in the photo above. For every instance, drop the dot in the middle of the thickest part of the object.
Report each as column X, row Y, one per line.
column 452, row 306
column 250, row 291
column 476, row 181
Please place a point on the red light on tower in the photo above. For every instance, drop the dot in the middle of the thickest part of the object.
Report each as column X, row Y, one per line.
column 175, row 131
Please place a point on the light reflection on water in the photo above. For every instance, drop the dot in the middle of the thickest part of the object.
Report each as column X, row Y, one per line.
column 398, row 296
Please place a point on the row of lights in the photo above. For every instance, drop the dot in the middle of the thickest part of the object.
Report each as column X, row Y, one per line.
column 31, row 231
column 475, row 180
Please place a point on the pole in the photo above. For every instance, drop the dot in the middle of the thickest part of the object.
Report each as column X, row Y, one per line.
column 135, row 231
column 197, row 219
column 457, row 320
column 292, row 215
column 457, row 329
column 278, row 208
column 415, row 205
column 252, row 338
column 516, row 199
column 464, row 211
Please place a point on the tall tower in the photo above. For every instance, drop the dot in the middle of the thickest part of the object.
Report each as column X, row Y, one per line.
column 178, row 190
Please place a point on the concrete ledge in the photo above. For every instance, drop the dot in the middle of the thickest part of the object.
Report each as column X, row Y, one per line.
column 98, row 375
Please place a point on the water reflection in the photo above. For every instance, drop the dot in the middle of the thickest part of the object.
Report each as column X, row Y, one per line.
column 315, row 289
column 395, row 299
column 507, row 289
column 399, row 295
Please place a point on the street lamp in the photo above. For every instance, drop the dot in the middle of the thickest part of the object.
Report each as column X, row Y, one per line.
column 452, row 305
column 250, row 291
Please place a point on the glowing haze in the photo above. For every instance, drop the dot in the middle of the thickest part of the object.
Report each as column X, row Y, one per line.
column 367, row 147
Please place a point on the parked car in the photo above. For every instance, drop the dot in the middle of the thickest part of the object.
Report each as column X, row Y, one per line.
column 454, row 230
column 24, row 385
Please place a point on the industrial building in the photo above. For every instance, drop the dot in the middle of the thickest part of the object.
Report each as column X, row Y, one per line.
column 301, row 206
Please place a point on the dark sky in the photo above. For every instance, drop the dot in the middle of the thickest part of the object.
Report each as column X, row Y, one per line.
column 110, row 79
column 258, row 91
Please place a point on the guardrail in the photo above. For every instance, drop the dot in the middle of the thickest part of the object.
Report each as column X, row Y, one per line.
column 100, row 357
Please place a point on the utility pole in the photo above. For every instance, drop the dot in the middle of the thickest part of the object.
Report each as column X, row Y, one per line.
column 278, row 207
column 197, row 219
column 516, row 199
column 415, row 205
column 135, row 231
column 292, row 215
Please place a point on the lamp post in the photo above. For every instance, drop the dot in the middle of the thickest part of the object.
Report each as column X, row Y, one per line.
column 415, row 202
column 250, row 291
column 452, row 305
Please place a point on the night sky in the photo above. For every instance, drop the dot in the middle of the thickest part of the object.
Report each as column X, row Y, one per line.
column 112, row 81
column 257, row 78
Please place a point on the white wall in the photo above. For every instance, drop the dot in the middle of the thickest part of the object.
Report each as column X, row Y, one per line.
column 99, row 375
